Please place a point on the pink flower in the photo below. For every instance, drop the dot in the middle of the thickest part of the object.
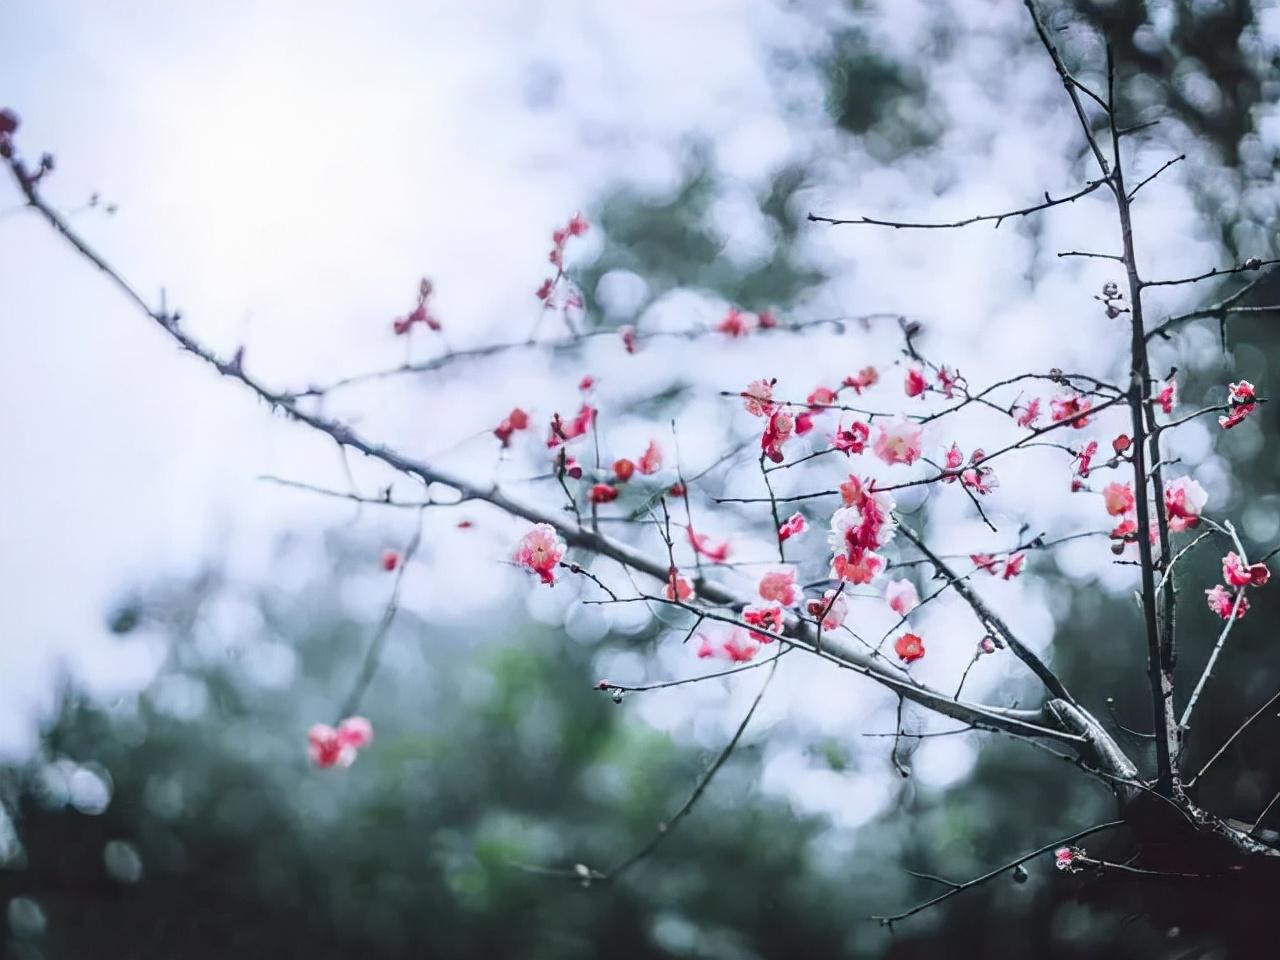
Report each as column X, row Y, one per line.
column 898, row 441
column 758, row 398
column 1184, row 499
column 1168, row 395
column 979, row 478
column 1121, row 443
column 1222, row 602
column 766, row 320
column 915, row 383
column 793, row 526
column 1064, row 858
column 1125, row 529
column 780, row 586
column 851, row 439
column 702, row 544
column 1119, row 498
column 768, row 617
column 1013, row 565
column 540, row 550
column 864, row 378
column 327, row 747
column 804, row 423
column 624, row 469
column 390, row 560
column 1028, row 413
column 1084, row 458
column 987, row 562
column 866, row 522
column 857, row 566
column 734, row 324
column 736, row 647
column 954, row 461
column 678, row 588
column 820, row 398
column 901, row 596
column 777, row 431
column 1237, row 574
column 628, row 335
column 833, row 608
column 987, row 645
column 949, row 379
column 562, row 432
column 603, row 493
column 577, row 225
column 1072, row 407
column 909, row 648
column 1243, row 401
column 517, row 419
column 651, row 460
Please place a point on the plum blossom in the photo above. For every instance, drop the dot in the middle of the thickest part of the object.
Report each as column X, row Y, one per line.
column 766, row 320
column 1007, row 568
column 1119, row 498
column 677, row 588
column 864, row 378
column 777, row 431
column 949, row 380
column 562, row 432
column 793, row 526
column 602, row 493
column 979, row 478
column 1064, row 858
column 820, row 398
column 703, row 545
column 780, row 586
column 624, row 469
column 1184, row 499
column 768, row 617
column 851, row 439
column 1121, row 443
column 419, row 314
column 1072, row 407
column 909, row 648
column 758, row 398
column 328, row 747
column 390, row 560
column 627, row 334
column 651, row 460
column 1028, row 413
column 953, row 461
column 857, row 530
column 1168, row 395
column 734, row 324
column 736, row 647
column 833, row 608
column 517, row 419
column 1222, row 602
column 901, row 596
column 1243, row 400
column 540, row 550
column 898, row 441
column 1238, row 574
column 915, row 384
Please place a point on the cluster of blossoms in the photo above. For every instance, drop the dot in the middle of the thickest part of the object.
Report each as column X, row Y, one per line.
column 517, row 419
column 419, row 314
column 540, row 551
column 1230, row 601
column 1071, row 406
column 1005, row 566
column 576, row 227
column 1243, row 400
column 976, row 477
column 863, row 525
column 337, row 747
column 916, row 384
column 736, row 323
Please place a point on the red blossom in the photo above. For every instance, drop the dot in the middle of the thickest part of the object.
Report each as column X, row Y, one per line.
column 390, row 560
column 1223, row 602
column 1121, row 443
column 768, row 617
column 703, row 545
column 909, row 648
column 1242, row 398
column 793, row 526
column 1237, row 574
column 1072, row 407
column 915, row 384
column 603, row 493
column 651, row 460
column 623, row 469
column 851, row 439
column 733, row 324
column 329, row 747
column 628, row 335
column 1028, row 413
column 864, row 378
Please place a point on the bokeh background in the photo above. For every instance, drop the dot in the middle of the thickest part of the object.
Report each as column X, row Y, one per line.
column 284, row 173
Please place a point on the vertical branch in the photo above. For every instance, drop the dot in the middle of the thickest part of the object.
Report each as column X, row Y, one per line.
column 1159, row 623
